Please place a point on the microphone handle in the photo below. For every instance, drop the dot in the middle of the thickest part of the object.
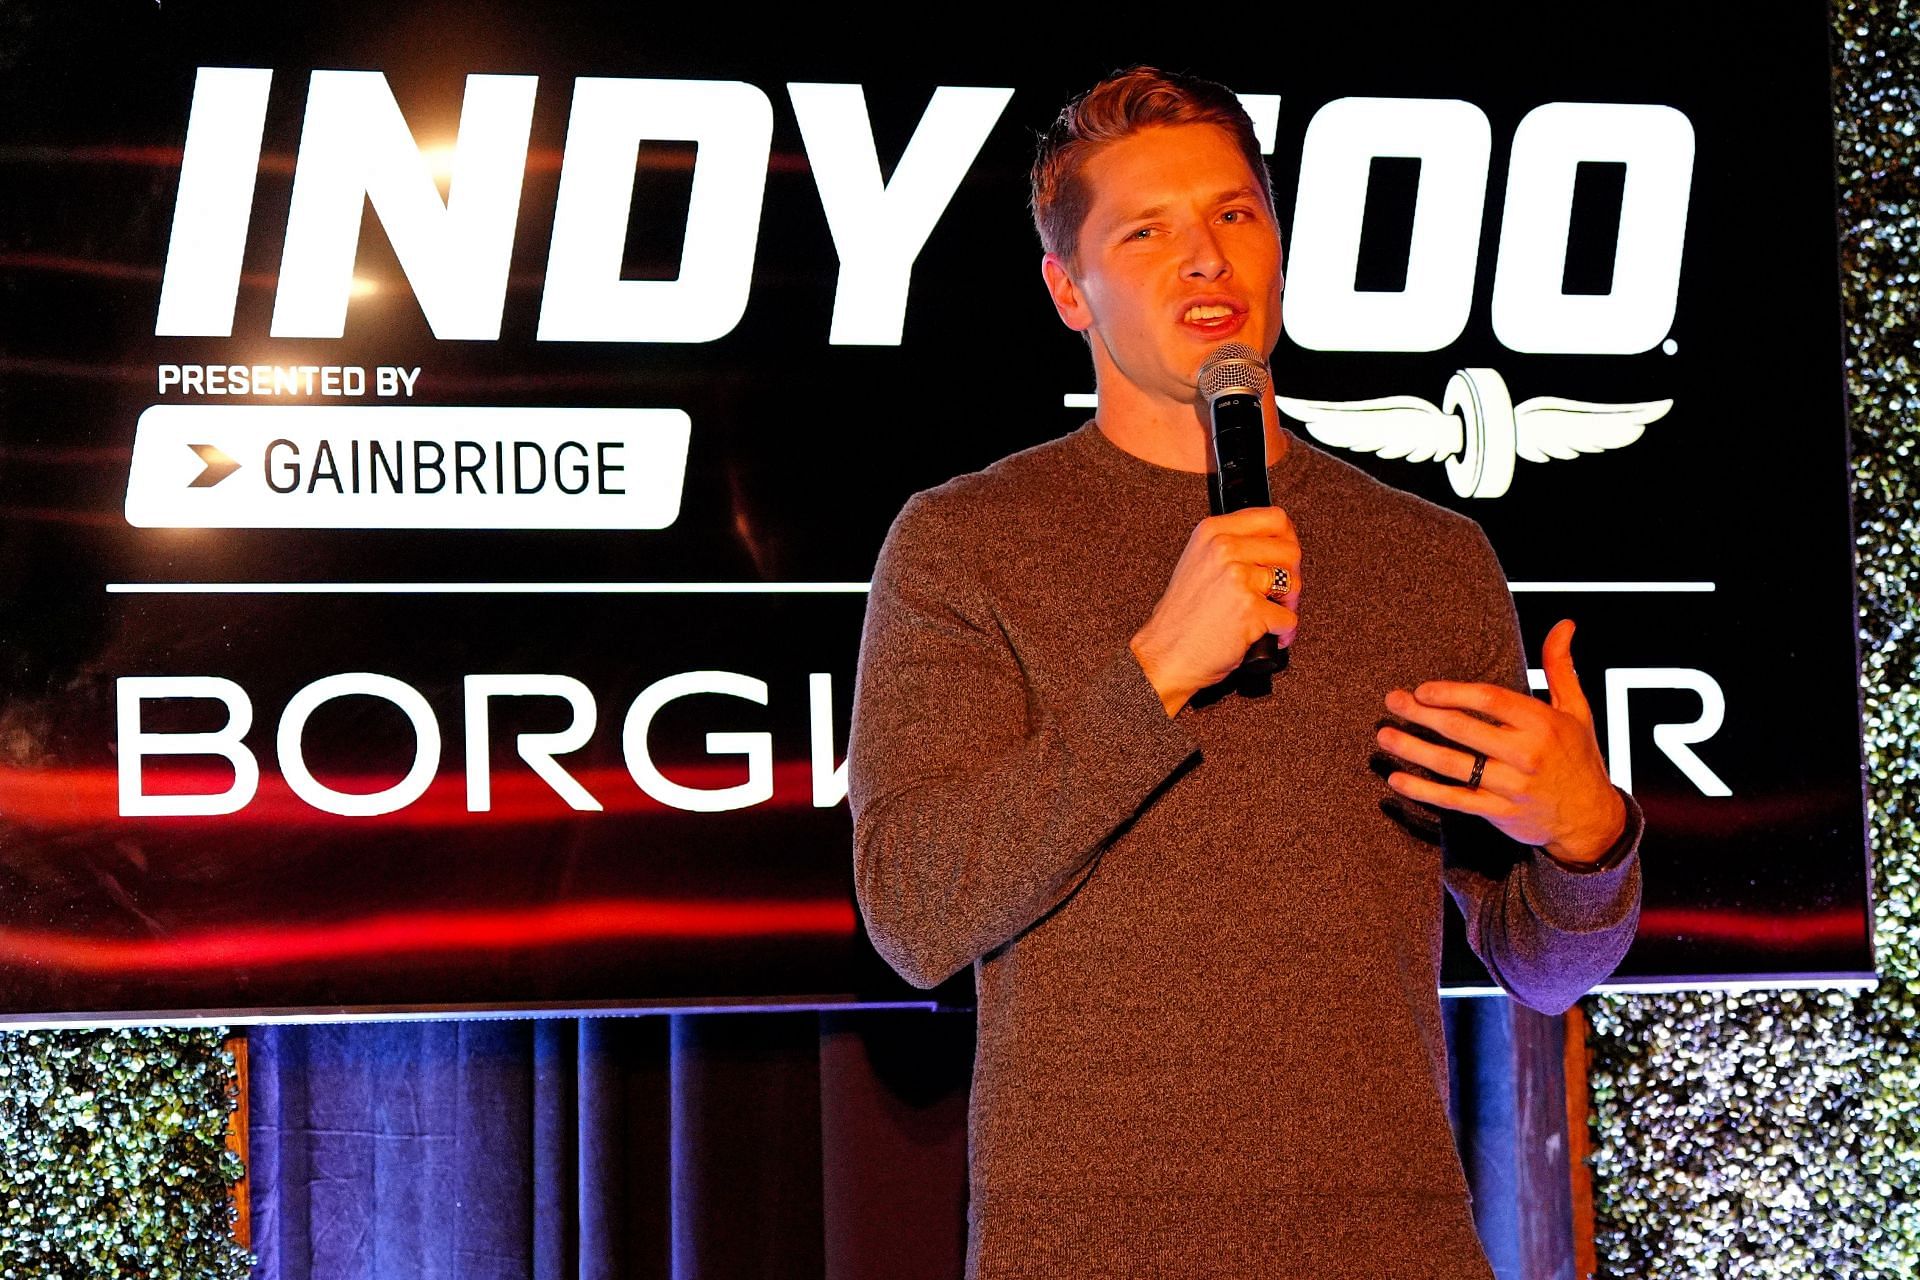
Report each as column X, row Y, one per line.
column 1238, row 479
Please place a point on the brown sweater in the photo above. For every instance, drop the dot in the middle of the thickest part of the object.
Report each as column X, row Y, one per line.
column 1206, row 950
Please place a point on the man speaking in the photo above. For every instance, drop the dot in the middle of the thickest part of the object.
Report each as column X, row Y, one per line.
column 1205, row 927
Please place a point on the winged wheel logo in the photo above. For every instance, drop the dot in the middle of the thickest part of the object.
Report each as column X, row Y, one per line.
column 1476, row 429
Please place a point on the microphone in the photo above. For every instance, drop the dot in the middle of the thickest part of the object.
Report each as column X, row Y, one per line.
column 1233, row 381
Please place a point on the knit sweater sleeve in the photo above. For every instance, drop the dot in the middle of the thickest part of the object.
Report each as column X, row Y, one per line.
column 977, row 807
column 1547, row 933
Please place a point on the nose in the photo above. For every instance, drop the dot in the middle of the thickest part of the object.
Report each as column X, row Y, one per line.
column 1206, row 257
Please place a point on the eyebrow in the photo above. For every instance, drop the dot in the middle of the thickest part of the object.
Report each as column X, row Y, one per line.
column 1225, row 197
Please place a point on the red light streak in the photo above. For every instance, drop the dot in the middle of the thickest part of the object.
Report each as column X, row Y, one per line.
column 100, row 267
column 429, row 931
column 615, row 919
column 85, row 796
column 134, row 157
column 1795, row 930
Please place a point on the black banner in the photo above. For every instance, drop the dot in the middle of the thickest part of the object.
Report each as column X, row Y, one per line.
column 440, row 468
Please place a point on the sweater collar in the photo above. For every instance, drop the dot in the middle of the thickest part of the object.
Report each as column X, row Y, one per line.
column 1137, row 473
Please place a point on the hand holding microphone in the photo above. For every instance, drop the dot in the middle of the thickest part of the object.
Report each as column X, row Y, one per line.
column 1216, row 617
column 1233, row 382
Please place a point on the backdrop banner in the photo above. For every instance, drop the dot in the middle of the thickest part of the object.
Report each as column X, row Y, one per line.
column 443, row 450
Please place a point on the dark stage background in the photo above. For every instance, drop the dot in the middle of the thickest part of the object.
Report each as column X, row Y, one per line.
column 1719, row 533
column 770, row 1146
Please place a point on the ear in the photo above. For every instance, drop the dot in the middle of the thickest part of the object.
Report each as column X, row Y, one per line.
column 1065, row 294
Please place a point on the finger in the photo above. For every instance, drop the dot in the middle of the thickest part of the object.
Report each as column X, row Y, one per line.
column 1259, row 578
column 1563, row 682
column 1496, row 741
column 1448, row 761
column 1281, row 622
column 1267, row 520
column 1260, row 549
column 1503, row 704
column 1459, row 799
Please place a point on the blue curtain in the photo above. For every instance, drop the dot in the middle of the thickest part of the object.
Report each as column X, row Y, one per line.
column 781, row 1146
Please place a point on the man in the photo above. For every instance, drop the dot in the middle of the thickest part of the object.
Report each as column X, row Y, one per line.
column 1205, row 932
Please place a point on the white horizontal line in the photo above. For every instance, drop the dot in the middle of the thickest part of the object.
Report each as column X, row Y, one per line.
column 1790, row 982
column 1751, row 982
column 668, row 588
column 483, row 588
column 1609, row 586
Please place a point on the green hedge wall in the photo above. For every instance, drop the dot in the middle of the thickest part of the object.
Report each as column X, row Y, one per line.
column 113, row 1156
column 1778, row 1135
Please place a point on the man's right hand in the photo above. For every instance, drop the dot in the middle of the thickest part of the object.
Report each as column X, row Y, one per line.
column 1215, row 605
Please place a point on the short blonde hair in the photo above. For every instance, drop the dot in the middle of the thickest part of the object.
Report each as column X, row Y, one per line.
column 1118, row 107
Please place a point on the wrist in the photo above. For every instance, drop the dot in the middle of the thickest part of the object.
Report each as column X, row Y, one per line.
column 1173, row 695
column 1591, row 847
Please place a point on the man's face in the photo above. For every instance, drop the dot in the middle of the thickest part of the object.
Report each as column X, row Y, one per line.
column 1177, row 255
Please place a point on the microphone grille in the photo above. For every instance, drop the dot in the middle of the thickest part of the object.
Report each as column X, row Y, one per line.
column 1233, row 366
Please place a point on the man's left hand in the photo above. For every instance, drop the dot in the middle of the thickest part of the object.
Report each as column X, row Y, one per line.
column 1544, row 783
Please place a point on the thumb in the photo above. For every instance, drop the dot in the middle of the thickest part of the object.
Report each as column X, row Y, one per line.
column 1563, row 683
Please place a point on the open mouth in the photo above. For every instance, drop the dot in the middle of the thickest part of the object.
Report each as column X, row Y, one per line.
column 1213, row 318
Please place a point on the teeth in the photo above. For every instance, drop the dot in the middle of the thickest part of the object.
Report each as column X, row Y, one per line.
column 1208, row 313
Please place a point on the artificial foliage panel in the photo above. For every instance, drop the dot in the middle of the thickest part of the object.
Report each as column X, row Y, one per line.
column 113, row 1155
column 1776, row 1134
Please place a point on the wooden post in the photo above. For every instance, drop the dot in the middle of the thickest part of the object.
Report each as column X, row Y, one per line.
column 1540, row 1116
column 236, row 1044
column 1580, row 1146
